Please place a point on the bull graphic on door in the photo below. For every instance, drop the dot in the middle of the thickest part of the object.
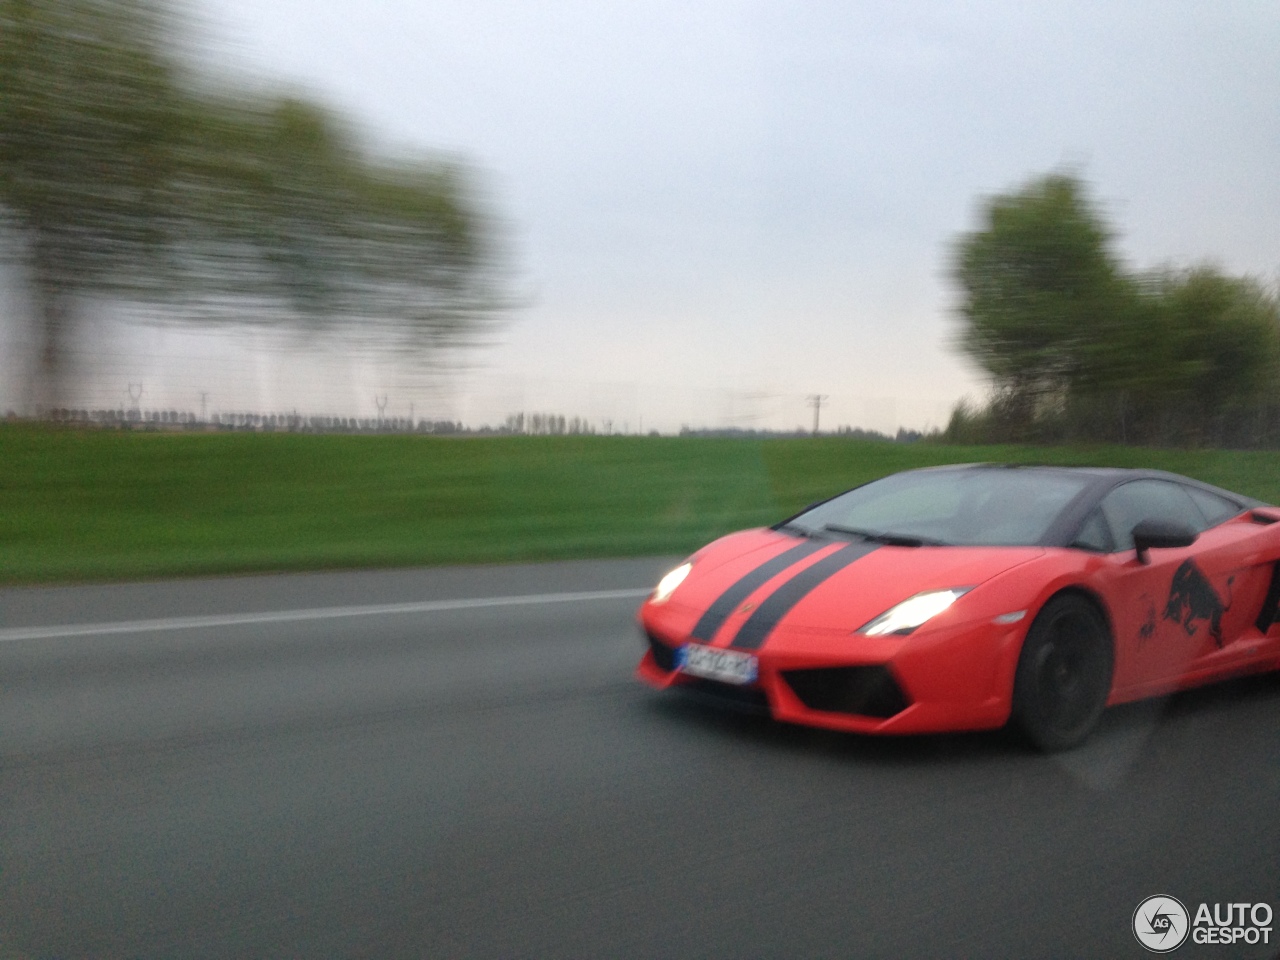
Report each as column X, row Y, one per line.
column 1192, row 600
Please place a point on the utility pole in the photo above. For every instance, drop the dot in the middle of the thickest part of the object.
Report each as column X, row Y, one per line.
column 204, row 405
column 816, row 400
column 135, row 397
column 382, row 405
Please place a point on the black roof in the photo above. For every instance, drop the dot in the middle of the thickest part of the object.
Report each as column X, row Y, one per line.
column 1099, row 482
column 1104, row 479
column 1107, row 477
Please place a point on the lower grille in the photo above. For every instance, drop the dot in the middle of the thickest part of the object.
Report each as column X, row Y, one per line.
column 863, row 691
column 746, row 699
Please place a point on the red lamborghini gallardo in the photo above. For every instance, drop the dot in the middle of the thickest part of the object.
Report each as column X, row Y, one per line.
column 966, row 597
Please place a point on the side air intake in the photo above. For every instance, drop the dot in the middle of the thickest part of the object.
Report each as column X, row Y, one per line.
column 663, row 655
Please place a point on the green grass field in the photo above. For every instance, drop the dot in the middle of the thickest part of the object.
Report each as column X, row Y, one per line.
column 97, row 505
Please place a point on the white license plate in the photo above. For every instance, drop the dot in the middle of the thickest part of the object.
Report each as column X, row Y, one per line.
column 714, row 663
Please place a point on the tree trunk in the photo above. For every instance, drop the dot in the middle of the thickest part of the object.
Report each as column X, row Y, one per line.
column 54, row 319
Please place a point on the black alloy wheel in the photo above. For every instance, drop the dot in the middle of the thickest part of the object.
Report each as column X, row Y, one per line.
column 1064, row 674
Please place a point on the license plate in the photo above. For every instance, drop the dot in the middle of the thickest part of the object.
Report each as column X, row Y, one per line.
column 713, row 663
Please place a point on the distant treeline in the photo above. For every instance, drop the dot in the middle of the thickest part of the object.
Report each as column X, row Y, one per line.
column 853, row 433
column 137, row 419
column 540, row 424
column 1079, row 348
column 516, row 424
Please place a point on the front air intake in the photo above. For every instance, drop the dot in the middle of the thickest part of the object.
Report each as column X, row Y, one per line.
column 862, row 691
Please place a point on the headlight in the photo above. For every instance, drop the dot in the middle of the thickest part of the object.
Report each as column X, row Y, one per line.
column 667, row 585
column 913, row 612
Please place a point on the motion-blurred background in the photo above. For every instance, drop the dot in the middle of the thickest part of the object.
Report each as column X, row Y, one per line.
column 644, row 217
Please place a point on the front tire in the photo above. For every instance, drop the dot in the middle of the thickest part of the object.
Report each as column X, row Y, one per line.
column 1064, row 674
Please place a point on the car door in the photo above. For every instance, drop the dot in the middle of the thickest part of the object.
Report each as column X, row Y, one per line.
column 1171, row 612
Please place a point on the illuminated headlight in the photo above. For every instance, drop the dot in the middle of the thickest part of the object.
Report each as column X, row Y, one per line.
column 667, row 585
column 913, row 612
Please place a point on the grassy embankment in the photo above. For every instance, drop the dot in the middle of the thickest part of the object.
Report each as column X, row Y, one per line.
column 106, row 505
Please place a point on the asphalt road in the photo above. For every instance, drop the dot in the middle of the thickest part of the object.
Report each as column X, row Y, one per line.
column 210, row 777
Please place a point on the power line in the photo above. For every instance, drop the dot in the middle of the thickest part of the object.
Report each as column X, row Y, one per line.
column 816, row 400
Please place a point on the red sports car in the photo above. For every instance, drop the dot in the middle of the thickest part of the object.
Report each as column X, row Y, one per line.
column 966, row 597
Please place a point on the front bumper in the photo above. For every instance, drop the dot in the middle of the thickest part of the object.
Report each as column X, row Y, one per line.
column 958, row 679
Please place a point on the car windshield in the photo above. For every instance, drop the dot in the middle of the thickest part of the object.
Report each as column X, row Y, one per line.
column 972, row 507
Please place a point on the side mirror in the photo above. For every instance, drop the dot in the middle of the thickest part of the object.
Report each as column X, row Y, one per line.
column 1161, row 534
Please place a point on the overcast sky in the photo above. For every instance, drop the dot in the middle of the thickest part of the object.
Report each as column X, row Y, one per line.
column 718, row 208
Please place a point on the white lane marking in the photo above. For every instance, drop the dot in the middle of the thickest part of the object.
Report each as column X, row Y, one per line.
column 317, row 613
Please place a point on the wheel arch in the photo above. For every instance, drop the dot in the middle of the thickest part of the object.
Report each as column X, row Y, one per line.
column 1057, row 699
column 1009, row 661
column 1080, row 590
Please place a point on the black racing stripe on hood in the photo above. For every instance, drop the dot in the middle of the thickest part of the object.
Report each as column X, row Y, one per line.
column 753, row 633
column 731, row 599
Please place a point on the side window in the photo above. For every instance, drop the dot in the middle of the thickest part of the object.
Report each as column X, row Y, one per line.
column 1216, row 509
column 1095, row 535
column 1128, row 505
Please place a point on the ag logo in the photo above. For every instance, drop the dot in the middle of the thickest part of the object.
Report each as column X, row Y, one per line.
column 1161, row 923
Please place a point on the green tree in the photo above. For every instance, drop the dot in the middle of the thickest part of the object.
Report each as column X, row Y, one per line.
column 398, row 253
column 118, row 179
column 1040, row 291
column 88, row 113
column 1215, row 349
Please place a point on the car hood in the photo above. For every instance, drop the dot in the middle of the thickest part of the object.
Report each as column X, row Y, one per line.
column 831, row 584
